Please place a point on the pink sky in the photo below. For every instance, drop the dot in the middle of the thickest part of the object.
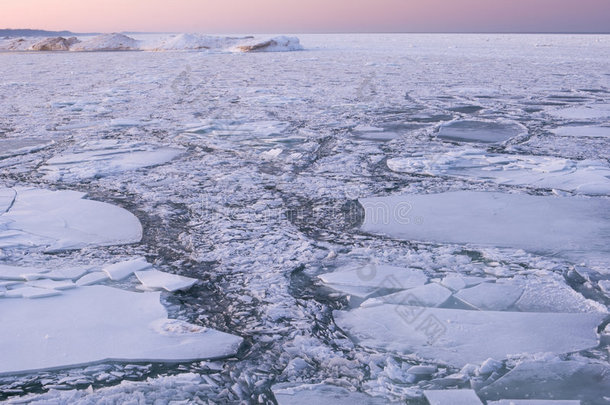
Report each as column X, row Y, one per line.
column 307, row 15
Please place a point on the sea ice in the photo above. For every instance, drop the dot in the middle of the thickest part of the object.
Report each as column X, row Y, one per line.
column 480, row 131
column 551, row 379
column 587, row 176
column 458, row 337
column 21, row 146
column 452, row 397
column 308, row 394
column 92, row 278
column 60, row 220
column 52, row 284
column 583, row 131
column 429, row 295
column 20, row 273
column 106, row 157
column 574, row 227
column 155, row 279
column 97, row 323
column 587, row 112
column 121, row 270
column 534, row 402
column 27, row 292
column 364, row 280
column 491, row 296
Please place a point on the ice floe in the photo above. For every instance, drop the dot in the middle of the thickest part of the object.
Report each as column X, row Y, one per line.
column 429, row 295
column 14, row 147
column 458, row 337
column 480, row 131
column 583, row 131
column 119, row 271
column 106, row 157
column 553, row 380
column 60, row 220
column 452, row 397
column 583, row 113
column 573, row 227
column 586, row 176
column 364, row 280
column 491, row 296
column 155, row 279
column 96, row 323
column 306, row 394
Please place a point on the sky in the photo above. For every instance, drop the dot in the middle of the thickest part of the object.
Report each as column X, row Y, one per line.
column 299, row 16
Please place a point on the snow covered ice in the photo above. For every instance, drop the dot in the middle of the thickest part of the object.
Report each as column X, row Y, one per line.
column 359, row 218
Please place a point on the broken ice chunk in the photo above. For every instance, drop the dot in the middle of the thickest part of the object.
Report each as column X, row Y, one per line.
column 491, row 296
column 534, row 402
column 452, row 397
column 156, row 279
column 457, row 282
column 92, row 278
column 458, row 337
column 119, row 271
column 308, row 394
column 20, row 273
column 30, row 292
column 369, row 278
column 480, row 131
column 52, row 285
column 62, row 220
column 70, row 273
column 429, row 295
column 97, row 323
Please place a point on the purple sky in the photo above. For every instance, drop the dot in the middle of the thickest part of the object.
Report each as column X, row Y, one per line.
column 309, row 16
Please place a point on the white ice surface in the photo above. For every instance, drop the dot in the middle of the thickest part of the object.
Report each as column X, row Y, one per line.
column 20, row 146
column 106, row 157
column 119, row 271
column 587, row 177
column 107, row 42
column 309, row 394
column 480, row 131
column 61, row 220
column 586, row 112
column 20, row 273
column 452, row 397
column 92, row 278
column 462, row 336
column 573, row 227
column 429, row 295
column 583, row 131
column 155, row 279
column 91, row 324
column 491, row 296
column 363, row 280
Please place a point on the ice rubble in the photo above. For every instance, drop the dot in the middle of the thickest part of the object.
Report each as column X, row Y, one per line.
column 96, row 323
column 107, row 42
column 480, row 131
column 458, row 337
column 155, row 279
column 59, row 220
column 452, row 397
column 585, row 177
column 54, row 44
column 106, row 157
column 306, row 394
column 573, row 227
column 181, row 42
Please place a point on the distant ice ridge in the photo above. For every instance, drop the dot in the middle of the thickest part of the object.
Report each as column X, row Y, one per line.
column 180, row 42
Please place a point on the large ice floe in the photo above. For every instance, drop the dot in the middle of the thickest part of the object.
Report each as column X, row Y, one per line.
column 305, row 394
column 52, row 320
column 105, row 157
column 585, row 177
column 574, row 227
column 59, row 220
column 480, row 131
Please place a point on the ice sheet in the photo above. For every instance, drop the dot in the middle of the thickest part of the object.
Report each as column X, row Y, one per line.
column 452, row 397
column 60, row 220
column 458, row 337
column 307, row 394
column 480, row 131
column 586, row 176
column 156, row 279
column 573, row 227
column 91, row 324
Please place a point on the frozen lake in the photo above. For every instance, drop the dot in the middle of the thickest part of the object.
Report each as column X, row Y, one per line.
column 372, row 219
